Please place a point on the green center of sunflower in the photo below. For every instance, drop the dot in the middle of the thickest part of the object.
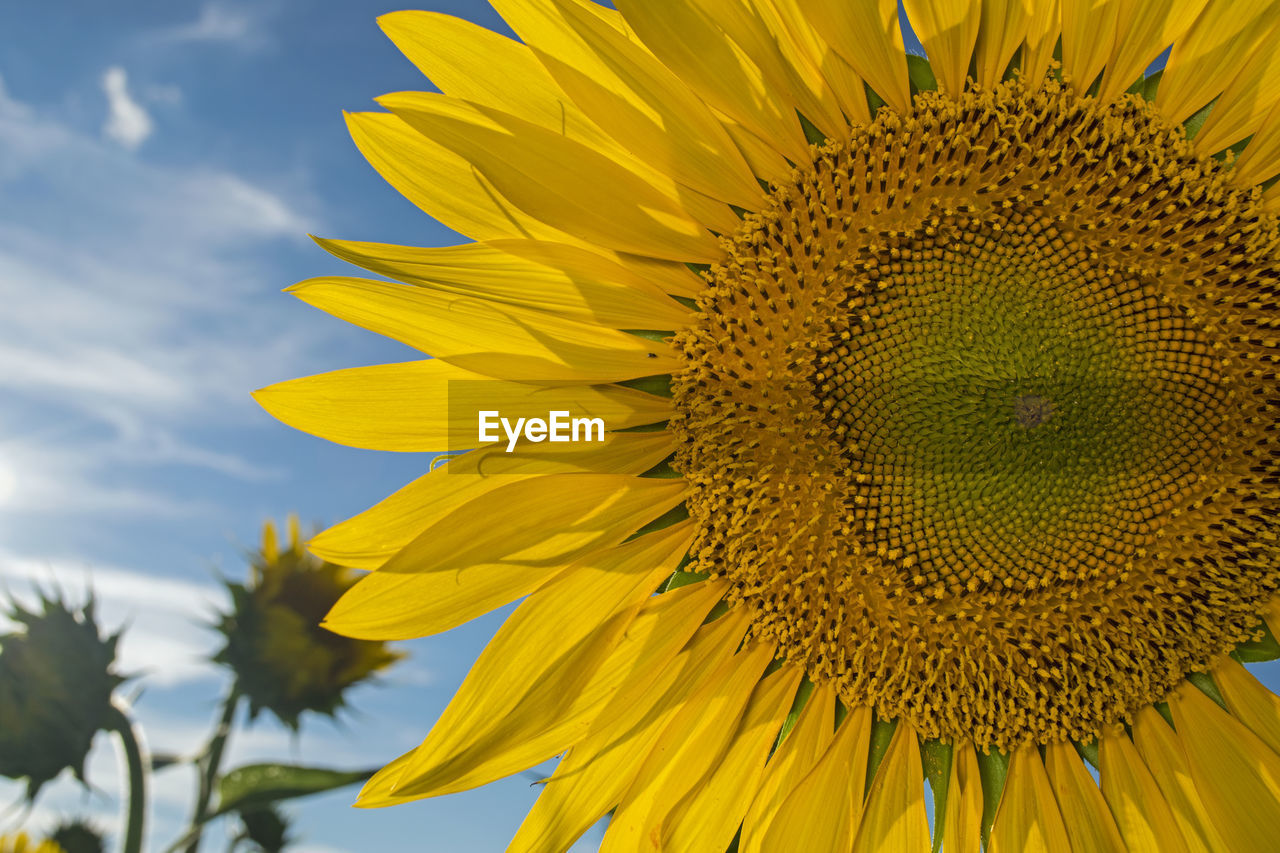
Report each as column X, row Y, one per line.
column 979, row 416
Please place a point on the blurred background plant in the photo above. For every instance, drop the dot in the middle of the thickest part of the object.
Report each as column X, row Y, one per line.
column 59, row 689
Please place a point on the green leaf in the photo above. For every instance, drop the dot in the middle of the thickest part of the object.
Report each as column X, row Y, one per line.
column 256, row 785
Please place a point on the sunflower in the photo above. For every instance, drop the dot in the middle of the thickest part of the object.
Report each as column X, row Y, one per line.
column 943, row 445
column 20, row 843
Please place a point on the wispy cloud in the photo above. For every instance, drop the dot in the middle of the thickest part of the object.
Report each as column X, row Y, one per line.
column 218, row 23
column 130, row 316
column 127, row 122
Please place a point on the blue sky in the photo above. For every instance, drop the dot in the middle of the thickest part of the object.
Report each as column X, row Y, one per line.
column 160, row 166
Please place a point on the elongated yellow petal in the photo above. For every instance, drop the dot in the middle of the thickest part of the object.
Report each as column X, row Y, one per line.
column 1088, row 35
column 529, row 696
column 370, row 538
column 558, row 181
column 1144, row 28
column 688, row 749
column 824, row 810
column 1145, row 820
column 1247, row 100
column 433, row 405
column 1164, row 757
column 1085, row 814
column 948, row 30
column 1028, row 820
column 1205, row 60
column 593, row 775
column 633, row 97
column 1249, row 701
column 867, row 35
column 1260, row 159
column 795, row 757
column 962, row 831
column 1272, row 615
column 757, row 27
column 842, row 81
column 568, row 281
column 1002, row 28
column 449, row 575
column 895, row 818
column 708, row 818
column 764, row 158
column 441, row 182
column 1044, row 25
column 1236, row 773
column 489, row 338
column 475, row 64
column 690, row 41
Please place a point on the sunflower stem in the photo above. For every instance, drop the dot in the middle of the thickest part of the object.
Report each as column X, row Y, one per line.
column 209, row 763
column 131, row 741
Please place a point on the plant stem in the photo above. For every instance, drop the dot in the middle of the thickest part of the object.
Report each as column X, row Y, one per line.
column 131, row 740
column 209, row 763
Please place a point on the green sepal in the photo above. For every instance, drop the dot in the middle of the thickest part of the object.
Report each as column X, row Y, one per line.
column 1192, row 125
column 874, row 101
column 658, row 385
column 1163, row 709
column 936, row 756
column 651, row 334
column 797, row 705
column 687, row 301
column 258, row 785
column 1262, row 649
column 993, row 767
column 881, row 735
column 679, row 579
column 811, row 132
column 1089, row 752
column 1147, row 86
column 1204, row 683
column 675, row 515
column 663, row 471
column 920, row 73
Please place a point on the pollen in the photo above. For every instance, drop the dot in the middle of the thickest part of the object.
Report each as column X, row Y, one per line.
column 980, row 414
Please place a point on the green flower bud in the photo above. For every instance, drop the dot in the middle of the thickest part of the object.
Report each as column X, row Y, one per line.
column 283, row 661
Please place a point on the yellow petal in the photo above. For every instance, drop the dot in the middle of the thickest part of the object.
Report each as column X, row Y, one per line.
column 592, row 776
column 1272, row 615
column 1028, row 820
column 1260, row 159
column 490, row 338
column 558, row 181
column 1088, row 35
column 534, row 690
column 758, row 28
column 1236, row 773
column 708, row 818
column 689, row 40
column 1003, row 26
column 434, row 406
column 1043, row 29
column 633, row 97
column 690, row 746
column 369, row 539
column 895, row 817
column 465, row 565
column 1246, row 101
column 1164, row 757
column 764, row 158
column 824, row 810
column 568, row 281
column 1085, row 814
column 795, row 757
column 948, row 30
column 1144, row 28
column 1204, row 61
column 867, row 35
column 962, row 831
column 440, row 182
column 842, row 81
column 1249, row 701
column 1145, row 820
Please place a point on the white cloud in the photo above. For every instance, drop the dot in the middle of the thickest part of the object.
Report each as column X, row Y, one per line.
column 217, row 22
column 127, row 122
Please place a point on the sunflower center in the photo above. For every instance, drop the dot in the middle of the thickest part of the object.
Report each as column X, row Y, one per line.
column 984, row 405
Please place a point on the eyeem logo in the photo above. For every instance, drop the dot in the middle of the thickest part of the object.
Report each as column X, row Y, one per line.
column 558, row 427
